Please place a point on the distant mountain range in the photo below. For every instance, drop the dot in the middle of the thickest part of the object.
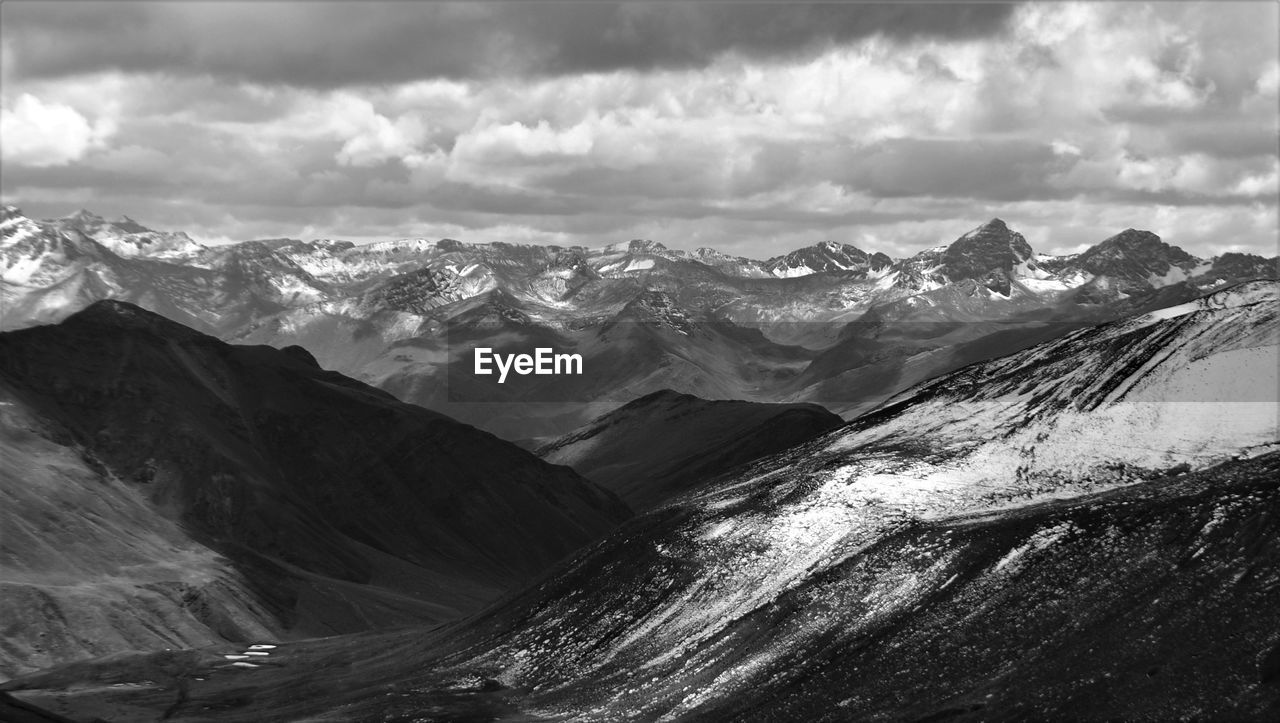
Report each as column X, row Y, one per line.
column 830, row 323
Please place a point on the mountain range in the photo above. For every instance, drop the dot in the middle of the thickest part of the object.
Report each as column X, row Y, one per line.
column 830, row 324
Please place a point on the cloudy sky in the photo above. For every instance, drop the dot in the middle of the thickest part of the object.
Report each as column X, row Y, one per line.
column 752, row 128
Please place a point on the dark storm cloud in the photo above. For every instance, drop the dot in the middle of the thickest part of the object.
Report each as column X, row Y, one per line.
column 335, row 44
column 1223, row 139
column 1119, row 112
column 63, row 178
column 991, row 169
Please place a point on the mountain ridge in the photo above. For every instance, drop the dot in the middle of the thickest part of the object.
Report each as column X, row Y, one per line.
column 664, row 443
column 387, row 312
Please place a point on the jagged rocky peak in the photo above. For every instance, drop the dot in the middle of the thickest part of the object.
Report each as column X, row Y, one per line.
column 730, row 264
column 85, row 216
column 126, row 237
column 1243, row 266
column 1133, row 237
column 831, row 247
column 128, row 225
column 988, row 254
column 708, row 255
column 1136, row 256
column 645, row 246
column 993, row 244
column 823, row 256
column 1134, row 244
column 32, row 249
column 16, row 228
column 839, row 250
column 88, row 221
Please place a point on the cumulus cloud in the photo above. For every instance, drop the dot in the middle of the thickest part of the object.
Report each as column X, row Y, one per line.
column 35, row 133
column 379, row 138
column 744, row 126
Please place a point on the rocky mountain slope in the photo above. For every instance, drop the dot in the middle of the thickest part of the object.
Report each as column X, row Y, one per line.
column 827, row 256
column 91, row 568
column 664, row 443
column 753, row 586
column 49, row 270
column 126, row 237
column 1138, row 259
column 1084, row 529
column 196, row 490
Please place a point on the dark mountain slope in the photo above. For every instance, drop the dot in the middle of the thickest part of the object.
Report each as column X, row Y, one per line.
column 88, row 567
column 1154, row 602
column 1243, row 266
column 317, row 487
column 662, row 444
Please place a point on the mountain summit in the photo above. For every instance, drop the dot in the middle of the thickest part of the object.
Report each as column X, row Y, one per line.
column 126, row 237
column 822, row 257
column 1137, row 259
column 988, row 255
